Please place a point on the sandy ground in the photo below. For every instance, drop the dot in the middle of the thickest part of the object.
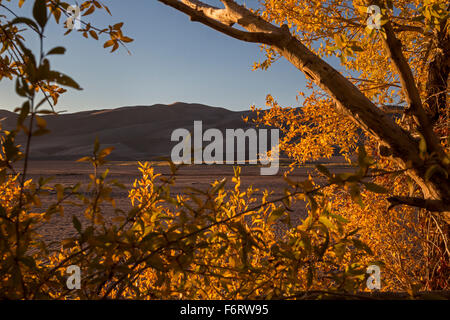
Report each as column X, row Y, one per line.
column 199, row 176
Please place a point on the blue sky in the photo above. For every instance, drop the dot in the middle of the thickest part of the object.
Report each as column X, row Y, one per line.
column 173, row 59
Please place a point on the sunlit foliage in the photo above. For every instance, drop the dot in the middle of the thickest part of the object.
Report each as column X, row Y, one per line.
column 225, row 242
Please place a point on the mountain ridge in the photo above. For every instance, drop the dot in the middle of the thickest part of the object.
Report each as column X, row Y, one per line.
column 136, row 132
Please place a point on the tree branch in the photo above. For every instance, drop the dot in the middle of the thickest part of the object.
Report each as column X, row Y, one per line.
column 210, row 11
column 393, row 48
column 219, row 20
column 350, row 101
column 428, row 204
column 402, row 27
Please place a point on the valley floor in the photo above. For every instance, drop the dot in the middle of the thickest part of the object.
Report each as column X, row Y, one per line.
column 197, row 176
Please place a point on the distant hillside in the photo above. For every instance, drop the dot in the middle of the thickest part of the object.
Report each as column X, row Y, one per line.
column 137, row 133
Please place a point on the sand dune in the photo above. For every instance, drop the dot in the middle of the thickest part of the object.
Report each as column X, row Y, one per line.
column 136, row 133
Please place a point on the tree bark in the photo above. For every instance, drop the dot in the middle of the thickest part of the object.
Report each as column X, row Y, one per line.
column 438, row 77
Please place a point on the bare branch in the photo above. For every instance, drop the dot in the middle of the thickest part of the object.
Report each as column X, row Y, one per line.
column 403, row 27
column 393, row 109
column 428, row 204
column 204, row 14
column 210, row 11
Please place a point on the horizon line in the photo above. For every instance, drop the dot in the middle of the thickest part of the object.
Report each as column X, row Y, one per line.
column 136, row 106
